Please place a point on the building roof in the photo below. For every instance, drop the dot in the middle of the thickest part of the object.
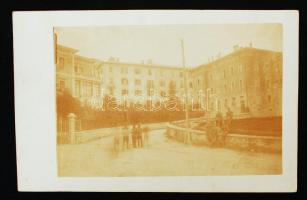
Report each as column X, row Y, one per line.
column 234, row 53
column 171, row 67
column 65, row 48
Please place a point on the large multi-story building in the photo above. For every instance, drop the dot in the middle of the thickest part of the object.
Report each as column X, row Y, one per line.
column 248, row 81
column 90, row 79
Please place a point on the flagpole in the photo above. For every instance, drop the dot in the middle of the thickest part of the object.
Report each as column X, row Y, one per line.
column 185, row 90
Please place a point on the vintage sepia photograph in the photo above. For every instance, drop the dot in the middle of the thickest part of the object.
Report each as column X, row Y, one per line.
column 169, row 100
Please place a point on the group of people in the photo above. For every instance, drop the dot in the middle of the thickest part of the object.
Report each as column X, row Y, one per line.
column 223, row 126
column 134, row 137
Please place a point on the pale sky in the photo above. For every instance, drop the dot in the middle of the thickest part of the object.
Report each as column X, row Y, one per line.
column 162, row 43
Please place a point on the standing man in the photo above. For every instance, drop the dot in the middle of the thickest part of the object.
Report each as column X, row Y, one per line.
column 125, row 137
column 134, row 136
column 139, row 136
column 229, row 116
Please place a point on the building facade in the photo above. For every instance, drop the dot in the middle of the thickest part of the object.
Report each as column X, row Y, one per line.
column 247, row 81
column 90, row 80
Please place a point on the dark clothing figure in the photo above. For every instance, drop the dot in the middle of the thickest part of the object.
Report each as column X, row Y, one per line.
column 125, row 138
column 219, row 120
column 139, row 136
column 134, row 136
column 228, row 121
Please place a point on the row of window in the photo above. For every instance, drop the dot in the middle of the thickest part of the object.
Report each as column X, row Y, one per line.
column 140, row 92
column 99, row 71
column 150, row 83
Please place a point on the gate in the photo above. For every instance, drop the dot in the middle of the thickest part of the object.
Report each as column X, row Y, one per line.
column 67, row 128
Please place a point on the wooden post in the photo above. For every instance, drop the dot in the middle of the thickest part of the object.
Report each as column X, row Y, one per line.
column 186, row 79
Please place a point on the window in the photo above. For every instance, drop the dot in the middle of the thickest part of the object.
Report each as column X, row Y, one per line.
column 125, row 92
column 149, row 71
column 138, row 92
column 231, row 70
column 233, row 103
column 181, row 84
column 232, row 86
column 77, row 87
column 150, row 84
column 180, row 74
column 110, row 69
column 226, row 103
column 124, row 81
column 150, row 92
column 224, row 73
column 198, row 82
column 89, row 89
column 61, row 62
column 124, row 70
column 61, row 85
column 257, row 68
column 225, row 88
column 240, row 84
column 257, row 82
column 242, row 104
column 240, row 68
column 96, row 89
column 268, row 83
column 162, row 83
column 163, row 94
column 269, row 98
column 111, row 81
column 191, row 85
column 137, row 82
column 137, row 71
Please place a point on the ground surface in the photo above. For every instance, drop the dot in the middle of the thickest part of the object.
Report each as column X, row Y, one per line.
column 161, row 157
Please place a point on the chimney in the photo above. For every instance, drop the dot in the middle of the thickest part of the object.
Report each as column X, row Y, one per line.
column 235, row 47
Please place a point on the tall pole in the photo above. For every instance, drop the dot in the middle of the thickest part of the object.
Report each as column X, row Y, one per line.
column 185, row 91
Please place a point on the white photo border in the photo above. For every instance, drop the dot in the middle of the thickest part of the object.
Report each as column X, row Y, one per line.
column 34, row 78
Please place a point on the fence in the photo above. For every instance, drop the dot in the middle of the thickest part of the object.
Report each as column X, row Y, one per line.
column 67, row 128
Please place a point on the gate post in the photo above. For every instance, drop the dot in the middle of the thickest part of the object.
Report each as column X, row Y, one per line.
column 71, row 127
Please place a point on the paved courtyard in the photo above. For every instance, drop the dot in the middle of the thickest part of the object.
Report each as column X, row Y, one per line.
column 162, row 157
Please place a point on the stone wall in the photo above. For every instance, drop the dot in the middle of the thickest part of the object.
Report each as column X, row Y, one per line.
column 233, row 141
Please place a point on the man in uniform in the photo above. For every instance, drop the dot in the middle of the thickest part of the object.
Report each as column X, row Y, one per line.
column 125, row 137
column 228, row 121
column 134, row 136
column 139, row 136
